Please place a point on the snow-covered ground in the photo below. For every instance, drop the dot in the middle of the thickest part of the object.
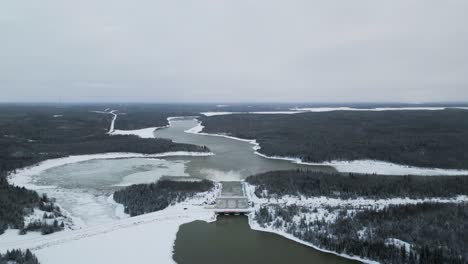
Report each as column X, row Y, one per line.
column 377, row 167
column 318, row 202
column 147, row 238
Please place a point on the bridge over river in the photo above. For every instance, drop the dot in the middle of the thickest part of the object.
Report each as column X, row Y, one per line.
column 232, row 199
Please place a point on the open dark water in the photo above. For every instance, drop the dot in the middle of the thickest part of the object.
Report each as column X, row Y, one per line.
column 230, row 240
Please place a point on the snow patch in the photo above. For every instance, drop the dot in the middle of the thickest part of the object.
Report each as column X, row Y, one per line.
column 298, row 110
column 142, row 133
column 381, row 167
column 208, row 114
column 399, row 243
column 376, row 109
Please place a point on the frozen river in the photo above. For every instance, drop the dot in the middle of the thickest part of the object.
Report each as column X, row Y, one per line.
column 233, row 159
column 84, row 188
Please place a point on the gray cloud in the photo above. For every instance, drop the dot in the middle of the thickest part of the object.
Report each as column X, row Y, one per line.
column 363, row 50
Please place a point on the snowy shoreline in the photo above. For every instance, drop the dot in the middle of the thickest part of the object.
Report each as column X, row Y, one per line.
column 299, row 110
column 255, row 226
column 355, row 166
column 319, row 203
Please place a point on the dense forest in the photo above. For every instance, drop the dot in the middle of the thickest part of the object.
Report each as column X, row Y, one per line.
column 17, row 202
column 350, row 185
column 146, row 198
column 33, row 133
column 437, row 232
column 419, row 138
column 17, row 256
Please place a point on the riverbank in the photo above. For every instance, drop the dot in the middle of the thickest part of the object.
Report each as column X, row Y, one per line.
column 355, row 166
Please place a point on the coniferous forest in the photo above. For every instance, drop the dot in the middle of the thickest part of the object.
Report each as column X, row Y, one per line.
column 146, row 198
column 437, row 232
column 352, row 185
column 419, row 138
column 17, row 256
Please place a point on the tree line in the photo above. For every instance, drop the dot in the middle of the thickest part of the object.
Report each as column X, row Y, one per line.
column 351, row 185
column 18, row 256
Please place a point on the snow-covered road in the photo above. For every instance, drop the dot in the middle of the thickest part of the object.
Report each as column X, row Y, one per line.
column 114, row 117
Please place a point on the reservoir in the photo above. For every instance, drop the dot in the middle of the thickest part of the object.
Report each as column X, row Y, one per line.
column 230, row 240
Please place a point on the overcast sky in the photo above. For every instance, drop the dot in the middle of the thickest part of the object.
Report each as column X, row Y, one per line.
column 223, row 51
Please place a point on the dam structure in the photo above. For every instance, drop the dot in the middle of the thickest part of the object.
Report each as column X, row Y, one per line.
column 232, row 199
